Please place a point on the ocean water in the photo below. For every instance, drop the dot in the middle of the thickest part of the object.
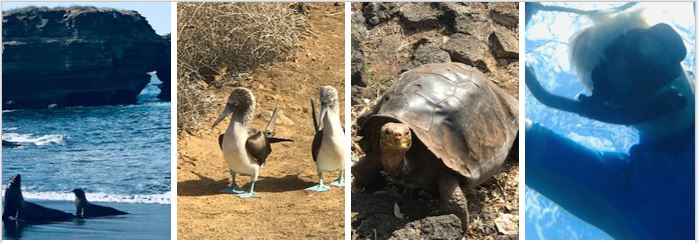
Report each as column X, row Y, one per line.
column 118, row 154
column 547, row 39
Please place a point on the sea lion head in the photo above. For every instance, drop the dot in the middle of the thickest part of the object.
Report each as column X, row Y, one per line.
column 79, row 193
column 13, row 197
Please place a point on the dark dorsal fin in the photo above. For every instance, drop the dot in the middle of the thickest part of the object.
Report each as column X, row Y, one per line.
column 316, row 123
column 269, row 131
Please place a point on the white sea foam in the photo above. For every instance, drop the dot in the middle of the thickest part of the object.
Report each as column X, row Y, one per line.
column 163, row 198
column 36, row 140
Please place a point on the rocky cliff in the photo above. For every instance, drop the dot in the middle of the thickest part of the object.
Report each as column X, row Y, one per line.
column 78, row 56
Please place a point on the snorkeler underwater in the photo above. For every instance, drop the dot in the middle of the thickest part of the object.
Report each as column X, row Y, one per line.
column 610, row 123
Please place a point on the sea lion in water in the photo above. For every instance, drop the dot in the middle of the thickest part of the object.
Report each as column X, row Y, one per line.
column 86, row 209
column 16, row 209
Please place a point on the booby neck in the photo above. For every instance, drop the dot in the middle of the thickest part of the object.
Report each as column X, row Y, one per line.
column 330, row 121
column 241, row 117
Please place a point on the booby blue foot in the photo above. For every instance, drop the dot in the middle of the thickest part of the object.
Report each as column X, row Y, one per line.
column 339, row 182
column 232, row 189
column 318, row 188
column 246, row 195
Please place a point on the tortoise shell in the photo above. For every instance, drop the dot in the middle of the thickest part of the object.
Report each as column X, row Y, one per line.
column 463, row 118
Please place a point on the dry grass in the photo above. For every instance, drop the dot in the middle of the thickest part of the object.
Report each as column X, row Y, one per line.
column 220, row 40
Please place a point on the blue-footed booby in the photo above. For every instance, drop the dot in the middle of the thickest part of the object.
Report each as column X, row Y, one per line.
column 245, row 149
column 328, row 143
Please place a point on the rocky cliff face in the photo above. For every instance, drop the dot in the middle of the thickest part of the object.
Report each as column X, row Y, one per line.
column 78, row 56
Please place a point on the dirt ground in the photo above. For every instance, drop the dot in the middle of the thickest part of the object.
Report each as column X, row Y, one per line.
column 284, row 210
column 385, row 50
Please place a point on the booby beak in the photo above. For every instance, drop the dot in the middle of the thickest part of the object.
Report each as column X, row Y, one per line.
column 226, row 111
column 324, row 106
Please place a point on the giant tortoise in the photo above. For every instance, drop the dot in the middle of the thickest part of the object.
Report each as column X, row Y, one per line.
column 442, row 128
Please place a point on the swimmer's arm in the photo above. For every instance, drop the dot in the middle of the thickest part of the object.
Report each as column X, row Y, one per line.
column 579, row 179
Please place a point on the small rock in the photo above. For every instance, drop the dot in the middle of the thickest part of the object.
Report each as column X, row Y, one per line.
column 467, row 49
column 427, row 51
column 453, row 9
column 419, row 15
column 506, row 14
column 370, row 204
column 379, row 226
column 472, row 25
column 357, row 68
column 444, row 227
column 507, row 224
column 504, row 43
column 377, row 12
column 356, row 94
column 358, row 29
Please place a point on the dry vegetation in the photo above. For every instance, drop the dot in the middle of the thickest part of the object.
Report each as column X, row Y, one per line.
column 218, row 40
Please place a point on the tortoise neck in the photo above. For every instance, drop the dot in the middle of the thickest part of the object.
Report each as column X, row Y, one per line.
column 391, row 159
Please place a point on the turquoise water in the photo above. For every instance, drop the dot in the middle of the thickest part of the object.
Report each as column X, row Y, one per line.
column 119, row 154
column 547, row 37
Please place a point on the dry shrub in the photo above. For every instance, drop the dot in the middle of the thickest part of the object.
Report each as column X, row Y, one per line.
column 219, row 39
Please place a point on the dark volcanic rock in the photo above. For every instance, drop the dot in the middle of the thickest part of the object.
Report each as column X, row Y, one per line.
column 164, row 73
column 444, row 227
column 468, row 18
column 504, row 44
column 358, row 34
column 376, row 12
column 419, row 15
column 472, row 25
column 379, row 226
column 358, row 29
column 467, row 49
column 369, row 204
column 506, row 14
column 357, row 68
column 79, row 56
column 427, row 51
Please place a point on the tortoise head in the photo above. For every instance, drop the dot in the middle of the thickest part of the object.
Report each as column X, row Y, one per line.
column 395, row 140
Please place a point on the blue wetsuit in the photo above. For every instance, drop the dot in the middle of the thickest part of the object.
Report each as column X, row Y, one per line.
column 647, row 193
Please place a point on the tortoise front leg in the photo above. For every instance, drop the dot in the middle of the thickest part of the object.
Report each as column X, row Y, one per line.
column 453, row 199
column 366, row 173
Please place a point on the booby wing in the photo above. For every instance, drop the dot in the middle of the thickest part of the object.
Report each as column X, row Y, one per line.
column 220, row 141
column 258, row 146
column 269, row 131
column 271, row 126
column 317, row 140
column 316, row 122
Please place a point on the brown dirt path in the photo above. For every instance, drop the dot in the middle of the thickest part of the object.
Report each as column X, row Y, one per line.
column 284, row 210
